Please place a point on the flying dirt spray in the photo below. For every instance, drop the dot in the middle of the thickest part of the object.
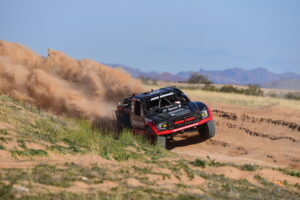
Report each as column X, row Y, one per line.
column 62, row 85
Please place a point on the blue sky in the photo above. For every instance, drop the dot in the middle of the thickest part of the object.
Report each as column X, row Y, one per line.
column 161, row 35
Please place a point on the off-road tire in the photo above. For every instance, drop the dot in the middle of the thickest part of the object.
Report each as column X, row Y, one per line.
column 207, row 130
column 161, row 140
column 119, row 129
column 150, row 135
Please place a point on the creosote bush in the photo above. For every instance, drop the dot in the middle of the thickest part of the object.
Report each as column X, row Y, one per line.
column 198, row 78
column 253, row 90
column 292, row 95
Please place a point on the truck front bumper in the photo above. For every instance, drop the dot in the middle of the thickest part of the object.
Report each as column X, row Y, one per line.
column 169, row 131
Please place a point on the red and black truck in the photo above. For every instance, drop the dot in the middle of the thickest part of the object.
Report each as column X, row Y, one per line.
column 163, row 113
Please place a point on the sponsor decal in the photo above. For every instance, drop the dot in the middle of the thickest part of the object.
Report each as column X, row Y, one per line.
column 184, row 120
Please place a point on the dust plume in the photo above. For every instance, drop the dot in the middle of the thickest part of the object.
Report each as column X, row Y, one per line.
column 58, row 83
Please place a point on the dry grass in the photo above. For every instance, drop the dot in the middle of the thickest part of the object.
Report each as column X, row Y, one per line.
column 240, row 99
column 236, row 99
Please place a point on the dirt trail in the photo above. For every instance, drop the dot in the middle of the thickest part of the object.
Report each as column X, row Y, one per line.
column 267, row 135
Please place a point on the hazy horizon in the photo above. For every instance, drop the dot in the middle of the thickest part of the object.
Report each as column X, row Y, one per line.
column 169, row 35
column 198, row 69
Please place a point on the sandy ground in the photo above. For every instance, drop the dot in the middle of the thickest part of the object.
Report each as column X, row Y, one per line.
column 267, row 136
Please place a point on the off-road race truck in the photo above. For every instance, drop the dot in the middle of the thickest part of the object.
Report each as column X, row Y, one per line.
column 163, row 113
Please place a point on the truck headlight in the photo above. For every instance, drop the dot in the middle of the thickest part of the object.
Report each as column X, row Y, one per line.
column 162, row 126
column 204, row 114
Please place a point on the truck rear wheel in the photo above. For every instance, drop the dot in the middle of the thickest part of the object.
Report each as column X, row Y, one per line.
column 207, row 130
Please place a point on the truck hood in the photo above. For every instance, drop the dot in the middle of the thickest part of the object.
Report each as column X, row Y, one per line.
column 175, row 111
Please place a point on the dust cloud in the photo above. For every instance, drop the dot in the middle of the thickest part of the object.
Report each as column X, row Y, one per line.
column 62, row 85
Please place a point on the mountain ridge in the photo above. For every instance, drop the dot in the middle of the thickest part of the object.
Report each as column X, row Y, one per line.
column 260, row 76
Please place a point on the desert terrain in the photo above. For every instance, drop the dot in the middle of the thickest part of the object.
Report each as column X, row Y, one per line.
column 258, row 130
column 263, row 135
column 52, row 146
column 254, row 153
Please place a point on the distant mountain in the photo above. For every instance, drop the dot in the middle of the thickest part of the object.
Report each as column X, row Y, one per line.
column 238, row 76
column 164, row 76
column 286, row 83
column 133, row 71
column 241, row 76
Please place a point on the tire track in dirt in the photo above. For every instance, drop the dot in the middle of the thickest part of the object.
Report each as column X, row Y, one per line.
column 267, row 136
column 246, row 118
column 238, row 150
column 253, row 133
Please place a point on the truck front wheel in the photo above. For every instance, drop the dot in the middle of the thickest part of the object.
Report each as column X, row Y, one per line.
column 161, row 140
column 207, row 130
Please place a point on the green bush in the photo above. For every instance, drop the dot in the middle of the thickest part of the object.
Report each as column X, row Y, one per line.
column 210, row 87
column 292, row 95
column 230, row 89
column 253, row 90
column 289, row 172
column 198, row 78
column 249, row 167
column 199, row 163
column 29, row 152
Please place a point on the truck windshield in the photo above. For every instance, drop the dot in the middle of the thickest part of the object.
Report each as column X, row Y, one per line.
column 167, row 101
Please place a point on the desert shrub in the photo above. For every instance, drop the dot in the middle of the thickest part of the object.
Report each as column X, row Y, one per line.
column 210, row 87
column 199, row 163
column 253, row 90
column 273, row 94
column 29, row 152
column 230, row 89
column 289, row 172
column 292, row 95
column 198, row 78
column 249, row 167
column 148, row 81
column 6, row 191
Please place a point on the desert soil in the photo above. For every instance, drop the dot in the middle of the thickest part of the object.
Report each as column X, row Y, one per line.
column 268, row 136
